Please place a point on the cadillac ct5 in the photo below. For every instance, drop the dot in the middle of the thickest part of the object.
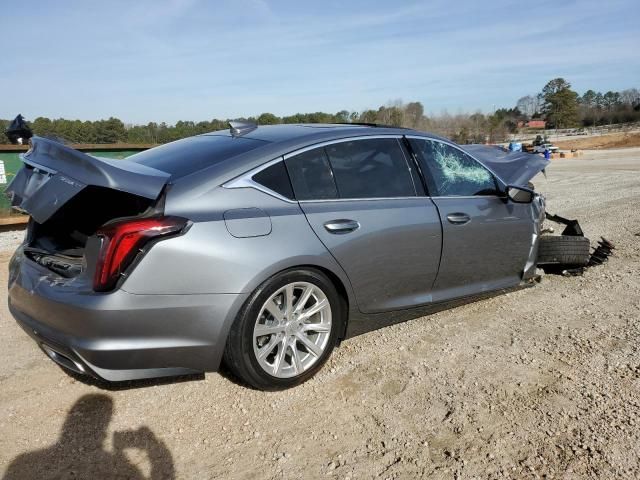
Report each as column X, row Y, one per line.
column 259, row 246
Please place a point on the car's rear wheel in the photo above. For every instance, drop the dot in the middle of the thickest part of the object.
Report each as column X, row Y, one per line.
column 286, row 330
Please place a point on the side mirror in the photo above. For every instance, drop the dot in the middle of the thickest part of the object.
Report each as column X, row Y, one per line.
column 520, row 194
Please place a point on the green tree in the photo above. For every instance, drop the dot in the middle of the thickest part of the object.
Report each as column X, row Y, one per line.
column 268, row 119
column 611, row 100
column 414, row 115
column 560, row 103
column 342, row 116
column 368, row 116
column 589, row 99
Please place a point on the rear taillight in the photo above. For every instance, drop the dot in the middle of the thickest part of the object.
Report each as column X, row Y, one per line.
column 122, row 241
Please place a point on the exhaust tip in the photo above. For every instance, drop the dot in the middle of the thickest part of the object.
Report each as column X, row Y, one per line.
column 63, row 360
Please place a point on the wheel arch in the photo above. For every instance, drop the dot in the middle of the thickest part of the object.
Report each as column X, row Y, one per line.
column 340, row 287
column 339, row 280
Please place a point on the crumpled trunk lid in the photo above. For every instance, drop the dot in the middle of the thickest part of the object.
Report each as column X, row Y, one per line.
column 513, row 168
column 53, row 174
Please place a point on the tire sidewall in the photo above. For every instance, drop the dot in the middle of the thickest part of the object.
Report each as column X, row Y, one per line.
column 249, row 316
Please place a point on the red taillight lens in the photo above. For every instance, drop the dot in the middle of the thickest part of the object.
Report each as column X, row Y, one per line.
column 122, row 241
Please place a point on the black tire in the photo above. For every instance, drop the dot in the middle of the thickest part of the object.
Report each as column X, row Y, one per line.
column 563, row 250
column 239, row 356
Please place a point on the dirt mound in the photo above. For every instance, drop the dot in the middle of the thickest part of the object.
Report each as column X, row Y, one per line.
column 602, row 142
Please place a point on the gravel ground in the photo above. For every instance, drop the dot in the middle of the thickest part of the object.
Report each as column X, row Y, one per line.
column 542, row 382
column 9, row 240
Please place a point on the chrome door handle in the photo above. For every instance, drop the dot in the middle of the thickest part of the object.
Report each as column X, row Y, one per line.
column 458, row 218
column 341, row 226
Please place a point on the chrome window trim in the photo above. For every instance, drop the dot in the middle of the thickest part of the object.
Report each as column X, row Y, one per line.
column 245, row 180
column 467, row 196
column 337, row 140
column 325, row 200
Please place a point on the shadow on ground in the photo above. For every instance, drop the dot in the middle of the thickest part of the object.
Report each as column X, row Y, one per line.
column 80, row 451
column 131, row 384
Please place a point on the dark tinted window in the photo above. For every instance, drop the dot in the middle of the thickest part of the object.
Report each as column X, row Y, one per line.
column 370, row 168
column 450, row 172
column 311, row 175
column 275, row 178
column 192, row 154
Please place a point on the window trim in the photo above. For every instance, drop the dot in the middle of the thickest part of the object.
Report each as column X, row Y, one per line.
column 245, row 180
column 496, row 179
column 398, row 138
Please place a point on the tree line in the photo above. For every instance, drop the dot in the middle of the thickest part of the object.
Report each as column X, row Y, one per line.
column 557, row 103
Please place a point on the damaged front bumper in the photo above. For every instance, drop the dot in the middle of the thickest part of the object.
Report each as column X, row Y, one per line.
column 598, row 256
column 538, row 216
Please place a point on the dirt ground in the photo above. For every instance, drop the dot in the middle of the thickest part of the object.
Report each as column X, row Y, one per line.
column 542, row 382
column 599, row 142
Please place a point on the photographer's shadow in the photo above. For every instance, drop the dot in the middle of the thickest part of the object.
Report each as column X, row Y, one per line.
column 80, row 451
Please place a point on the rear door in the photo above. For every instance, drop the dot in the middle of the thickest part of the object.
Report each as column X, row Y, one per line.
column 486, row 238
column 361, row 198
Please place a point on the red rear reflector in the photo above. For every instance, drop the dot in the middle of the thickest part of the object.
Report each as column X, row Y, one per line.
column 122, row 241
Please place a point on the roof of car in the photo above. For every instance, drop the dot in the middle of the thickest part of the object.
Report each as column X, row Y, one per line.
column 277, row 140
column 285, row 132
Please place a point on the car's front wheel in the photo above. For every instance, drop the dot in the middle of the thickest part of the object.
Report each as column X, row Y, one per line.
column 286, row 330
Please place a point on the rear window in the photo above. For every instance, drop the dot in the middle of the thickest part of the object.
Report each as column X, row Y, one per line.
column 187, row 156
column 275, row 178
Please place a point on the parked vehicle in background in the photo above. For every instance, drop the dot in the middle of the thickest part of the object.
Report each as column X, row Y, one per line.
column 261, row 245
column 546, row 147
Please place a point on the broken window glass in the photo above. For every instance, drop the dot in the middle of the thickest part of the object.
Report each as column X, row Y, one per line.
column 451, row 172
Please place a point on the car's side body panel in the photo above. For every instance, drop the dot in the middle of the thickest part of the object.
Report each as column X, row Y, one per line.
column 209, row 259
column 392, row 258
column 486, row 253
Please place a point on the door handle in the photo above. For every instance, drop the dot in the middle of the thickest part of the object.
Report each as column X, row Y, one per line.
column 341, row 226
column 458, row 218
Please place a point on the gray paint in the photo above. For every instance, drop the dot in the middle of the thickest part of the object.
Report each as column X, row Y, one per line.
column 247, row 222
column 486, row 253
column 172, row 312
column 398, row 240
column 60, row 172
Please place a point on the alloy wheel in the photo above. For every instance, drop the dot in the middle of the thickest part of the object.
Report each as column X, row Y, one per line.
column 292, row 329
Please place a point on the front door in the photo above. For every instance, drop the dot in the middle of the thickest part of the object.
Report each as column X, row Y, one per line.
column 486, row 238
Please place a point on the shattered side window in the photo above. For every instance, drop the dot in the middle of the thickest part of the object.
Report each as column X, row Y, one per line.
column 450, row 172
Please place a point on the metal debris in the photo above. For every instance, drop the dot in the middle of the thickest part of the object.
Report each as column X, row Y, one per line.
column 601, row 253
column 572, row 226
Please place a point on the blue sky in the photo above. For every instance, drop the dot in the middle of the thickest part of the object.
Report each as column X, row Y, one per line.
column 159, row 61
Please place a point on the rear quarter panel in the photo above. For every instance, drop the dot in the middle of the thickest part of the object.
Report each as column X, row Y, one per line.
column 210, row 259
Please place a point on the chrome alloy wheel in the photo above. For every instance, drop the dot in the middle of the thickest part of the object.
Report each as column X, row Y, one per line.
column 292, row 329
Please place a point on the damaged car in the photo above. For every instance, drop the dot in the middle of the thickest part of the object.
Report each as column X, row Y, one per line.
column 261, row 246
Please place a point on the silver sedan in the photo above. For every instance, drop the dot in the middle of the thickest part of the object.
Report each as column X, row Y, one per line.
column 261, row 247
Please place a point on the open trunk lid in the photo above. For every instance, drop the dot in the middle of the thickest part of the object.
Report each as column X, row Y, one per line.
column 53, row 174
column 513, row 168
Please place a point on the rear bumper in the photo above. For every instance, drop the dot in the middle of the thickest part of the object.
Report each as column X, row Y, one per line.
column 121, row 336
